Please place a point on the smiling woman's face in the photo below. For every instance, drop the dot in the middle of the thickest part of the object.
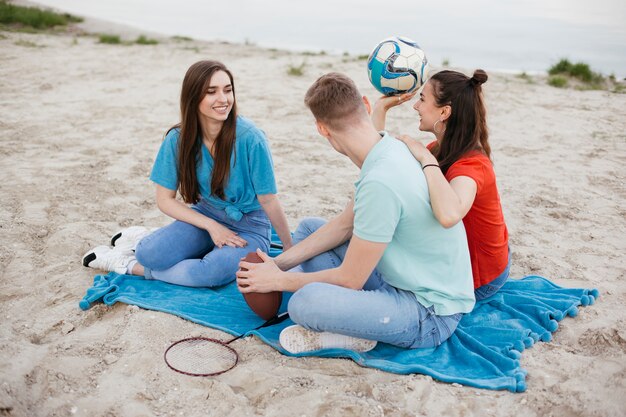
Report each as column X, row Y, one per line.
column 427, row 108
column 218, row 99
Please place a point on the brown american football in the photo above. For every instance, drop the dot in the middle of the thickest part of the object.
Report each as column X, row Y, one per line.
column 265, row 305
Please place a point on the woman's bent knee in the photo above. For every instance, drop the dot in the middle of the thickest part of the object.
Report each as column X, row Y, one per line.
column 148, row 254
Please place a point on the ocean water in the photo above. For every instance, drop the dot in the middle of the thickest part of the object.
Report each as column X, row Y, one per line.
column 504, row 35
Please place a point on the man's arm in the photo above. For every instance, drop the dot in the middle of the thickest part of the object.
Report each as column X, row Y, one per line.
column 332, row 234
column 361, row 259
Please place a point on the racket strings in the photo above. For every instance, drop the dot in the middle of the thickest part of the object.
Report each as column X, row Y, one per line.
column 201, row 357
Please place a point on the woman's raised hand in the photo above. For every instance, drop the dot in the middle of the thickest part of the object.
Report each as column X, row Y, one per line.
column 223, row 236
column 387, row 102
column 383, row 104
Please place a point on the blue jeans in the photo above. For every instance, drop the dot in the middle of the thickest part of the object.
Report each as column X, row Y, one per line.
column 183, row 254
column 492, row 287
column 377, row 312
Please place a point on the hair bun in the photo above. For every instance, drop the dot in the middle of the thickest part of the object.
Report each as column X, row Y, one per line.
column 479, row 77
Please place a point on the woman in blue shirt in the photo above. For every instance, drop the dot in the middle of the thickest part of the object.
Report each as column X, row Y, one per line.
column 221, row 165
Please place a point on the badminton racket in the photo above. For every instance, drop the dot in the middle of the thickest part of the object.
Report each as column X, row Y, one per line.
column 204, row 356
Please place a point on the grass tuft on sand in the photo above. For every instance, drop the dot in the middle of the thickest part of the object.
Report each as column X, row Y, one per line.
column 14, row 16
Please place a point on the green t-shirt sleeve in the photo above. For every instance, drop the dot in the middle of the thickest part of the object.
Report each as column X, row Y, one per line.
column 377, row 211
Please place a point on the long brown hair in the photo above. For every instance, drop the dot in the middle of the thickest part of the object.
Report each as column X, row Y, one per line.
column 195, row 85
column 466, row 128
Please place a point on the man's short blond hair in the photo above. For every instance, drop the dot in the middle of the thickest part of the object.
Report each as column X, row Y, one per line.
column 335, row 101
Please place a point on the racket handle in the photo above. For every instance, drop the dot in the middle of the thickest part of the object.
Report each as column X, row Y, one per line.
column 274, row 320
column 236, row 338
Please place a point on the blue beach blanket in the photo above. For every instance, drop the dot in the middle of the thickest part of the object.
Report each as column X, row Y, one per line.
column 483, row 352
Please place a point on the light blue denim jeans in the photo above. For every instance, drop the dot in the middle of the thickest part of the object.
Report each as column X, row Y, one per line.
column 377, row 312
column 489, row 289
column 183, row 254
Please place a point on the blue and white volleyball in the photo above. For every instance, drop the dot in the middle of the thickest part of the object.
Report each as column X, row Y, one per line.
column 397, row 65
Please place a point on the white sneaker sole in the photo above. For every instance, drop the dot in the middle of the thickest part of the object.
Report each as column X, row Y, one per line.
column 297, row 339
column 92, row 254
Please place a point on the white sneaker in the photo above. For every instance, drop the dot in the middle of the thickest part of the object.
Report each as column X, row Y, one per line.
column 127, row 239
column 107, row 259
column 297, row 339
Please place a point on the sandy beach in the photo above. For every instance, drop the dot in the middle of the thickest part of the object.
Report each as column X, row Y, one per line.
column 80, row 125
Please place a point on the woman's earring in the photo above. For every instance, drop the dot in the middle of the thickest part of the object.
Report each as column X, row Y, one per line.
column 435, row 127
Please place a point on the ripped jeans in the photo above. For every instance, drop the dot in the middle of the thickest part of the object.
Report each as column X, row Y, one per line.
column 377, row 312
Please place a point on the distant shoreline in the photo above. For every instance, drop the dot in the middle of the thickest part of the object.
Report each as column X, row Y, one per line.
column 499, row 57
column 96, row 25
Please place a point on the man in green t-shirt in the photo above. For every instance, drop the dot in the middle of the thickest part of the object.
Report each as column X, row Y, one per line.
column 384, row 269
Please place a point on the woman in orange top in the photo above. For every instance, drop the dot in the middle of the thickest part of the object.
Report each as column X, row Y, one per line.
column 458, row 169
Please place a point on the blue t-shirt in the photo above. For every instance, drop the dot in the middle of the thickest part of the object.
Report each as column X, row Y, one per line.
column 392, row 205
column 251, row 170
